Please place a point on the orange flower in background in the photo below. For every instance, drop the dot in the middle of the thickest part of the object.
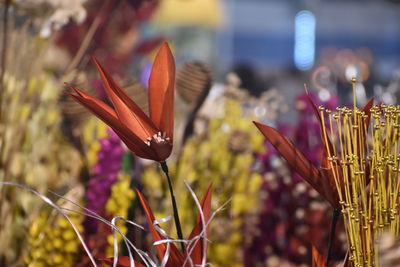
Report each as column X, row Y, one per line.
column 193, row 254
column 149, row 137
column 322, row 178
column 318, row 260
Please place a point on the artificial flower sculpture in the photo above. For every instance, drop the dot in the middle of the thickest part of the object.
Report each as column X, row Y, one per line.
column 323, row 179
column 148, row 137
column 196, row 250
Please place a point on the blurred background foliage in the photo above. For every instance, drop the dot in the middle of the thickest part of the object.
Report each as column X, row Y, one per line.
column 237, row 61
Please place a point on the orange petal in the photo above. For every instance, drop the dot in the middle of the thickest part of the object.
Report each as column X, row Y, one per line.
column 327, row 186
column 128, row 112
column 122, row 262
column 99, row 103
column 319, row 180
column 161, row 91
column 107, row 114
column 175, row 258
column 325, row 153
column 197, row 252
column 318, row 260
column 142, row 151
column 367, row 110
column 293, row 156
column 362, row 137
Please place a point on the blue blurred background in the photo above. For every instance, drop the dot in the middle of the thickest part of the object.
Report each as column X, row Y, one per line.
column 262, row 32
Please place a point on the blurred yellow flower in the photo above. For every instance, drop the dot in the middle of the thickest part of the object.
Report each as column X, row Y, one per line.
column 205, row 13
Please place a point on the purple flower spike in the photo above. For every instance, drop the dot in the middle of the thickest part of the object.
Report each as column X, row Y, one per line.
column 105, row 173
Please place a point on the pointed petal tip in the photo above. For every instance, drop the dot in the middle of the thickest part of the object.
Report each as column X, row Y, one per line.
column 208, row 192
column 165, row 49
column 100, row 68
column 94, row 59
column 264, row 128
column 97, row 63
column 138, row 192
column 369, row 104
column 210, row 186
column 161, row 90
column 258, row 124
column 306, row 89
column 165, row 45
column 70, row 86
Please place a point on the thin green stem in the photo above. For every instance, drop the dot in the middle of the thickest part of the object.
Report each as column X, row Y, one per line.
column 164, row 167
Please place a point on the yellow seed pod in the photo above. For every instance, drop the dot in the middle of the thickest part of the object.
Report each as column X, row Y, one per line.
column 57, row 258
column 68, row 234
column 71, row 246
column 152, row 179
column 223, row 251
column 238, row 203
column 57, row 243
column 52, row 240
column 255, row 183
column 236, row 237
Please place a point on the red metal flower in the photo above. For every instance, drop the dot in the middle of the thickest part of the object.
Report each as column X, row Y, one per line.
column 321, row 179
column 194, row 251
column 149, row 137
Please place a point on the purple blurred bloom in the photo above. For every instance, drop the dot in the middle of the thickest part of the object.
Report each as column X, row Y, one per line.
column 105, row 173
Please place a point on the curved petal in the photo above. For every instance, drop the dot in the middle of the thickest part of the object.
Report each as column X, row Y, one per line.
column 127, row 110
column 291, row 154
column 142, row 152
column 367, row 111
column 197, row 250
column 161, row 91
column 108, row 115
column 84, row 95
column 176, row 258
column 321, row 180
column 328, row 188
